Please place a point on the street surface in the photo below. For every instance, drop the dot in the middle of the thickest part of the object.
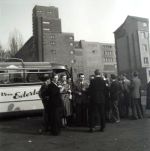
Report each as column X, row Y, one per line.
column 22, row 135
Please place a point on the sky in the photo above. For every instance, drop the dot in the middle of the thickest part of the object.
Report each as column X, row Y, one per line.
column 89, row 20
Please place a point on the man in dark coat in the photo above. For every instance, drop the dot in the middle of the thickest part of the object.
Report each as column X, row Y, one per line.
column 55, row 105
column 97, row 91
column 81, row 100
column 115, row 90
column 44, row 97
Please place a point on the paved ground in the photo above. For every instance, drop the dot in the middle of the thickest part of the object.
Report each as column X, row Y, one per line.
column 22, row 135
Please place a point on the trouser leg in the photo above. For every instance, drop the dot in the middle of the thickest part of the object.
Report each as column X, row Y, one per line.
column 102, row 115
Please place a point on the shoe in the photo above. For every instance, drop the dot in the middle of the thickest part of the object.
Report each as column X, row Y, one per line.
column 118, row 121
column 91, row 130
column 134, row 118
column 101, row 130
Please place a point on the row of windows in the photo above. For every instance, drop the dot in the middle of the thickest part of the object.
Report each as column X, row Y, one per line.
column 46, row 29
column 108, row 59
column 46, row 22
column 52, row 42
column 108, row 53
column 107, row 46
column 40, row 11
column 53, row 36
column 54, row 51
column 50, row 36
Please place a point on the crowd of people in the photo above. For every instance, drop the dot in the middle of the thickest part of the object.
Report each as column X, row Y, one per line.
column 89, row 104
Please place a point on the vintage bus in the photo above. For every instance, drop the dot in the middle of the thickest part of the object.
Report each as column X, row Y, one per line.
column 20, row 83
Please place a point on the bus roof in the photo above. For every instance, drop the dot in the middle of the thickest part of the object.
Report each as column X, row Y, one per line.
column 31, row 65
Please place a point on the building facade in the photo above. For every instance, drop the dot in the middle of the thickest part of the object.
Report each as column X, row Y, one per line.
column 93, row 55
column 132, row 46
column 49, row 43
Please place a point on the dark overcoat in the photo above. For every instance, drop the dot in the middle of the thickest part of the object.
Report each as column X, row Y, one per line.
column 97, row 90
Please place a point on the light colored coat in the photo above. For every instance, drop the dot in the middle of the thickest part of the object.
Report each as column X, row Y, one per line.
column 136, row 86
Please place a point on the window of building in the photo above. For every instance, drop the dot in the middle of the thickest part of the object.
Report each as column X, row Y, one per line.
column 73, row 61
column 144, row 47
column 72, row 52
column 143, row 35
column 46, row 22
column 39, row 11
column 52, row 36
column 71, row 44
column 46, row 29
column 71, row 38
column 93, row 51
column 106, row 59
column 49, row 12
column 52, row 42
column 109, row 53
column 53, row 51
column 146, row 60
column 144, row 24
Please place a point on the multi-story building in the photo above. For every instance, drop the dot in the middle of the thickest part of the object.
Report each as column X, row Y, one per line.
column 93, row 55
column 132, row 47
column 49, row 43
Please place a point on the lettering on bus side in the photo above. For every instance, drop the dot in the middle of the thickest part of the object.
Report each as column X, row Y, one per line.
column 6, row 94
column 18, row 94
column 24, row 94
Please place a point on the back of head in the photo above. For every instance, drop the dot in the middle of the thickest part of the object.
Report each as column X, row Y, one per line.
column 97, row 72
column 45, row 77
column 113, row 76
column 135, row 74
column 53, row 75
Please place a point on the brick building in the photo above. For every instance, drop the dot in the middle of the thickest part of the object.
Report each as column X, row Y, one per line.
column 132, row 47
column 48, row 42
column 94, row 55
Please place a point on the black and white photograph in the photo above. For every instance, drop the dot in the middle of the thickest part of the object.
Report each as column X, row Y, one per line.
column 74, row 75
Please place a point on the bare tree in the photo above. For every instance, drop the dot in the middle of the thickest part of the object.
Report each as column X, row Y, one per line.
column 15, row 42
column 4, row 54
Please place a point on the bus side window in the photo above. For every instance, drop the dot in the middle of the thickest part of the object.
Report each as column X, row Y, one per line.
column 32, row 77
column 18, row 78
column 4, row 78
